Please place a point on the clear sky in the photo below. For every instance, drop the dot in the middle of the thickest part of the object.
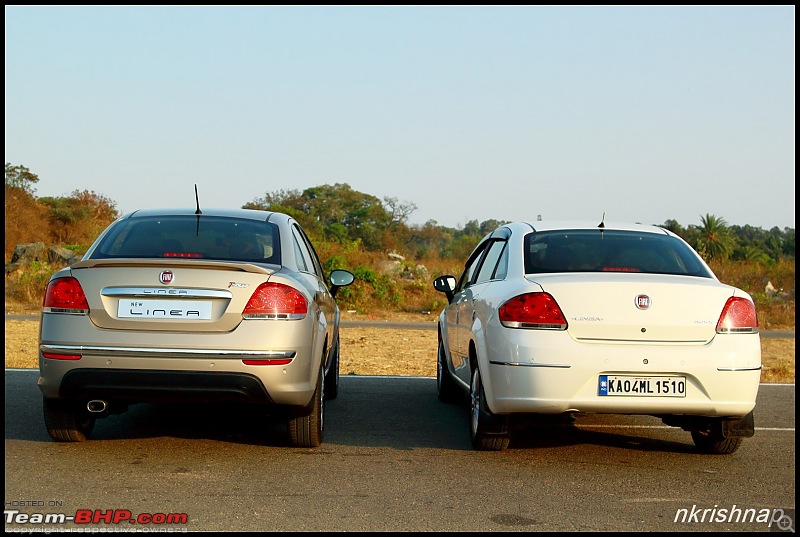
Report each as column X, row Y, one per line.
column 646, row 114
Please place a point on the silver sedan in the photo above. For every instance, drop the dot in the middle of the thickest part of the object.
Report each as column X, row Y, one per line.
column 192, row 306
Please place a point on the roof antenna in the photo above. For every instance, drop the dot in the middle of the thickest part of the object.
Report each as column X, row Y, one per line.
column 601, row 226
column 198, row 212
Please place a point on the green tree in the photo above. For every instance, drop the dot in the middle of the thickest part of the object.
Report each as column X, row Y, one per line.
column 429, row 240
column 472, row 228
column 400, row 211
column 80, row 217
column 487, row 226
column 21, row 177
column 100, row 207
column 675, row 227
column 715, row 240
column 787, row 242
column 339, row 213
column 753, row 254
column 25, row 218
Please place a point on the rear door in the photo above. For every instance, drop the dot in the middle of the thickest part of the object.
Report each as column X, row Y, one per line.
column 459, row 311
column 310, row 270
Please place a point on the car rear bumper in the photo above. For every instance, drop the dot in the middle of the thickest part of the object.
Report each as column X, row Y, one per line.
column 177, row 376
column 721, row 377
column 737, row 401
column 130, row 386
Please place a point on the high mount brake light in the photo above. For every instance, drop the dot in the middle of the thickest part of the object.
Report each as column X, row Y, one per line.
column 738, row 316
column 532, row 310
column 183, row 255
column 276, row 301
column 65, row 295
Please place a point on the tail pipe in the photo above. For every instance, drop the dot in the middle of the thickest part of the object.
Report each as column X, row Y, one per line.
column 97, row 406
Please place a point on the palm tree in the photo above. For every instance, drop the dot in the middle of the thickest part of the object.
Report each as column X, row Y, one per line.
column 716, row 240
column 753, row 254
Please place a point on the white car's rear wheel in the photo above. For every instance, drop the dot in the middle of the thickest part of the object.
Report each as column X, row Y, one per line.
column 715, row 445
column 448, row 391
column 488, row 431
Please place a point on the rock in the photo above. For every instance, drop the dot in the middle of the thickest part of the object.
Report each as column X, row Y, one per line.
column 770, row 289
column 62, row 256
column 390, row 267
column 25, row 254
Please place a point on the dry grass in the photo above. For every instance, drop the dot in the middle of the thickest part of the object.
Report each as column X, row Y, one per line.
column 380, row 351
column 777, row 360
column 392, row 352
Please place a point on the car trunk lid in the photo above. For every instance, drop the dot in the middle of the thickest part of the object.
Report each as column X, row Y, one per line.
column 638, row 308
column 168, row 295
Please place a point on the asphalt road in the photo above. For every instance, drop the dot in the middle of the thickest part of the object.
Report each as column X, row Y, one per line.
column 394, row 459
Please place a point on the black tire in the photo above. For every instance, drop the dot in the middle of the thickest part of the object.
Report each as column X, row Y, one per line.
column 332, row 376
column 710, row 444
column 447, row 389
column 307, row 431
column 488, row 431
column 66, row 421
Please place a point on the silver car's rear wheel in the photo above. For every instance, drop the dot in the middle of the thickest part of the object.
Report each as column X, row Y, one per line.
column 66, row 421
column 488, row 431
column 308, row 430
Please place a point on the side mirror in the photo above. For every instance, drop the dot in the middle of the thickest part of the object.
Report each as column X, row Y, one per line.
column 445, row 284
column 340, row 278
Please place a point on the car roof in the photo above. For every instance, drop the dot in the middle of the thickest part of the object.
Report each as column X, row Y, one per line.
column 250, row 214
column 555, row 225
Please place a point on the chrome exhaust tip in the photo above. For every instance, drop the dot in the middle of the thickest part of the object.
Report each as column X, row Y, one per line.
column 96, row 406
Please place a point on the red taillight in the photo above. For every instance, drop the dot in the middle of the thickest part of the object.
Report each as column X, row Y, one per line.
column 54, row 356
column 532, row 310
column 276, row 300
column 65, row 294
column 278, row 361
column 738, row 315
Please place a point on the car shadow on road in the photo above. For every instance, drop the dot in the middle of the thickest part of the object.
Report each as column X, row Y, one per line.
column 556, row 432
column 406, row 414
column 400, row 413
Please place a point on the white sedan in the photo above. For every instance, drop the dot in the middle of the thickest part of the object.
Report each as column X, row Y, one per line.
column 575, row 317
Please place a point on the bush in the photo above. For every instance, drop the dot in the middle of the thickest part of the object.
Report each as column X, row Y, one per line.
column 376, row 291
column 26, row 220
column 775, row 311
column 27, row 287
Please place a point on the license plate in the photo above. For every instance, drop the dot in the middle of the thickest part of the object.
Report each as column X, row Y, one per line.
column 632, row 386
column 164, row 309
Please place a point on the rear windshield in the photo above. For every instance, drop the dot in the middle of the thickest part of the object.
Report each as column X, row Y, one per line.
column 192, row 237
column 610, row 251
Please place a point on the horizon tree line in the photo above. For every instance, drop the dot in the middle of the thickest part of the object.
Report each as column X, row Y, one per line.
column 337, row 214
